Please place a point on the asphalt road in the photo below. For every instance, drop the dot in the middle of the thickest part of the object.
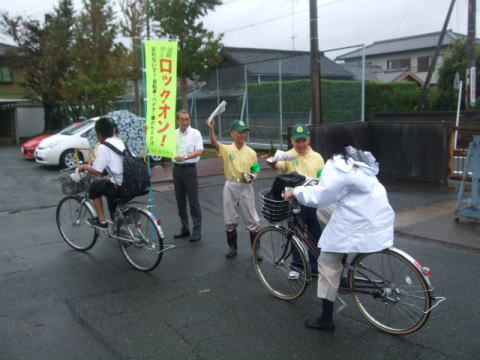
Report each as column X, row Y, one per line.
column 57, row 303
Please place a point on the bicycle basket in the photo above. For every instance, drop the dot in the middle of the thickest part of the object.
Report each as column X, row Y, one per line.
column 70, row 187
column 274, row 210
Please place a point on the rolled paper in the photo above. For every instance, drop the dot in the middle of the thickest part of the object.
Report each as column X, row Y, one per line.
column 219, row 110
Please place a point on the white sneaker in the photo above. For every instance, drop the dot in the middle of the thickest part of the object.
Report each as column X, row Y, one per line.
column 293, row 275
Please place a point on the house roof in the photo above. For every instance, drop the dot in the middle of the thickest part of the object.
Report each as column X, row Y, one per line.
column 408, row 43
column 294, row 63
column 376, row 73
column 356, row 70
column 4, row 48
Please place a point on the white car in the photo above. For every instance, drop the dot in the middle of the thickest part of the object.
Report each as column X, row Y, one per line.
column 58, row 149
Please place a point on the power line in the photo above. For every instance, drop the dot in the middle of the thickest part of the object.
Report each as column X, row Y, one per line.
column 278, row 17
column 403, row 18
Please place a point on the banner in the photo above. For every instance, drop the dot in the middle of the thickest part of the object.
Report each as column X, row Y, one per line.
column 161, row 92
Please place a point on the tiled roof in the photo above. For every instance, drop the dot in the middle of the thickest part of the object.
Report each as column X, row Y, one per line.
column 4, row 48
column 294, row 63
column 356, row 70
column 409, row 43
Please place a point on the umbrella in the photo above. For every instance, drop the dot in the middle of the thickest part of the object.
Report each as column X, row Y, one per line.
column 131, row 129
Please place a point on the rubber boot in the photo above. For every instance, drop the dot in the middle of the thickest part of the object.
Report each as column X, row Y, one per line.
column 325, row 321
column 253, row 235
column 232, row 244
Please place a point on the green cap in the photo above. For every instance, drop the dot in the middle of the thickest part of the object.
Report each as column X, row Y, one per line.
column 300, row 131
column 239, row 125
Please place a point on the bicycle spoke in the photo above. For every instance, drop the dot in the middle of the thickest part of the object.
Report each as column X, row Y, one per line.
column 273, row 271
column 401, row 298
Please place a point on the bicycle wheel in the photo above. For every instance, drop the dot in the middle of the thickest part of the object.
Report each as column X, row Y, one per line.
column 72, row 217
column 143, row 242
column 391, row 293
column 277, row 251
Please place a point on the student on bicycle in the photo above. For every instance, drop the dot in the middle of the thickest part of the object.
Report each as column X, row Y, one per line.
column 362, row 221
column 110, row 161
column 306, row 162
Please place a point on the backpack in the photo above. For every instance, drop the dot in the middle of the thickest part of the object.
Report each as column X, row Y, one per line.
column 136, row 178
column 285, row 180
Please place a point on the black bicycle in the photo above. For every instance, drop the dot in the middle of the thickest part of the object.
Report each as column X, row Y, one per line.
column 136, row 229
column 390, row 288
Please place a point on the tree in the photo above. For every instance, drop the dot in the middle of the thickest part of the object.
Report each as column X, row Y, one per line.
column 97, row 75
column 198, row 48
column 445, row 96
column 43, row 54
column 133, row 26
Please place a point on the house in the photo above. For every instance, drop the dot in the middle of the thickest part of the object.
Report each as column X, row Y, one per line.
column 18, row 118
column 376, row 73
column 411, row 54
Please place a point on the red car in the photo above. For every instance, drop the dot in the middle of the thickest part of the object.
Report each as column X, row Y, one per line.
column 28, row 147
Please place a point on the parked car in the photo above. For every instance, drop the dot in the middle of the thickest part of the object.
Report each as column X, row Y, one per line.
column 28, row 147
column 58, row 149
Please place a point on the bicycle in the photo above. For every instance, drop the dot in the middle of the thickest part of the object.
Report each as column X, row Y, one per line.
column 390, row 288
column 138, row 232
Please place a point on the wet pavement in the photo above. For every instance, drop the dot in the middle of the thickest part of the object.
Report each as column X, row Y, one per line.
column 57, row 303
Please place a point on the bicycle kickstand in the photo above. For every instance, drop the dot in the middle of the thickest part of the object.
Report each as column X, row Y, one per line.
column 342, row 306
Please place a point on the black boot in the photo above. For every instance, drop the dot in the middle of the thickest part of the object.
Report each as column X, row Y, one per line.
column 325, row 321
column 253, row 235
column 232, row 244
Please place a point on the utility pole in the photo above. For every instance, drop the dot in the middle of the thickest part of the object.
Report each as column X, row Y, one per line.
column 147, row 6
column 431, row 68
column 315, row 66
column 471, row 70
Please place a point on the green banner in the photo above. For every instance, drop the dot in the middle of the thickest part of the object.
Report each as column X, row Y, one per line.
column 161, row 92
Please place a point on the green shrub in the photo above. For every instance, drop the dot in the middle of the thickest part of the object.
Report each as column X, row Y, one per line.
column 341, row 99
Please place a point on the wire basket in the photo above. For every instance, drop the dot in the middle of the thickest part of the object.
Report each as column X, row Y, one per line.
column 274, row 210
column 70, row 187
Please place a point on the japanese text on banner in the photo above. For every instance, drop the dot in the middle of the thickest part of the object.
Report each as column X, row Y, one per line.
column 161, row 91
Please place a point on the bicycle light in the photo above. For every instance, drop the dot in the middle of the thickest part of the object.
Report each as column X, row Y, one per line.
column 159, row 222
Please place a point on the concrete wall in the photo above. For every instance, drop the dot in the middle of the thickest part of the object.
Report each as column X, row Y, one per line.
column 29, row 121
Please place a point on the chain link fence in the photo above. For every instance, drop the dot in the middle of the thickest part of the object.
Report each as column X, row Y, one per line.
column 271, row 96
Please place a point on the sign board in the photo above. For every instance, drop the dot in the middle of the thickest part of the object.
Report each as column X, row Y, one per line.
column 456, row 81
column 473, row 85
column 161, row 93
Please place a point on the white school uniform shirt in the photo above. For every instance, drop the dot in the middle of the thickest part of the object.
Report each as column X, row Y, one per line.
column 110, row 160
column 187, row 142
column 363, row 219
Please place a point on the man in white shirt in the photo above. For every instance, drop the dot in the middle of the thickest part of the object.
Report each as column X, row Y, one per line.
column 185, row 181
column 110, row 161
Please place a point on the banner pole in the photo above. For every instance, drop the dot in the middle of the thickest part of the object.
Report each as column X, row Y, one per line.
column 147, row 152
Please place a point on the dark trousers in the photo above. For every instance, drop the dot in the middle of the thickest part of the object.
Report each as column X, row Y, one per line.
column 104, row 187
column 309, row 217
column 185, row 182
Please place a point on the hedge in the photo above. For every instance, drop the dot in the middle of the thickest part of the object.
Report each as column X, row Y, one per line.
column 341, row 99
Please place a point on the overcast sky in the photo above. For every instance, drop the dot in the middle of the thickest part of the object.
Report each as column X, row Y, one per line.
column 284, row 24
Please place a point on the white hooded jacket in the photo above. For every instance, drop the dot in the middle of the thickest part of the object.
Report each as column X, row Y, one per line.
column 363, row 219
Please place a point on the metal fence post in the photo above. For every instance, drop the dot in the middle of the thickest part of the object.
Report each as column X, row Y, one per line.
column 218, row 102
column 247, row 117
column 280, row 103
column 363, row 84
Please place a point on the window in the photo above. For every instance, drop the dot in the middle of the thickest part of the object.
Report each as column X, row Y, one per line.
column 398, row 64
column 5, row 74
column 423, row 62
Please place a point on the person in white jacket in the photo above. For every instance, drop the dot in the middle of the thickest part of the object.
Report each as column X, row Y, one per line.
column 362, row 221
